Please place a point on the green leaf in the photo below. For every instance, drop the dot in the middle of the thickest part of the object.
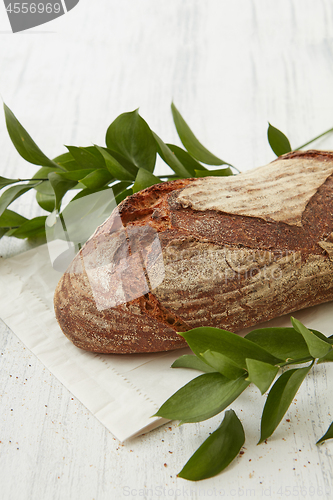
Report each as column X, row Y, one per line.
column 115, row 168
column 96, row 179
column 130, row 136
column 202, row 398
column 3, row 231
column 43, row 172
column 12, row 194
column 284, row 343
column 44, row 187
column 328, row 435
column 234, row 347
column 217, row 452
column 46, row 201
column 144, row 179
column 6, row 182
column 193, row 362
column 67, row 161
column 186, row 159
column 279, row 399
column 124, row 162
column 317, row 347
column 278, row 141
column 23, row 143
column 261, row 374
column 45, row 194
column 322, row 336
column 119, row 187
column 98, row 156
column 76, row 175
column 223, row 364
column 63, row 158
column 11, row 219
column 215, row 173
column 121, row 196
column 82, row 216
column 191, row 143
column 327, row 358
column 171, row 159
column 119, row 191
column 30, row 228
column 89, row 158
column 86, row 192
column 60, row 187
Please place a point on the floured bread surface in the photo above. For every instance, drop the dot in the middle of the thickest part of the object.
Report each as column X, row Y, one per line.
column 277, row 192
column 210, row 285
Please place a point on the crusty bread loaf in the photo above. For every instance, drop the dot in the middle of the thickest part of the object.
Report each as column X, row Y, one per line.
column 227, row 252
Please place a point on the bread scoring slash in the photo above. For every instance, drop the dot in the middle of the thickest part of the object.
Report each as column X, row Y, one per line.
column 228, row 252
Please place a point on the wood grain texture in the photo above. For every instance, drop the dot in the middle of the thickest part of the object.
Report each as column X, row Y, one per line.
column 230, row 68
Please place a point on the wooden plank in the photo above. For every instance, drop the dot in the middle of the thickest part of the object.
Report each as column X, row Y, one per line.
column 230, row 67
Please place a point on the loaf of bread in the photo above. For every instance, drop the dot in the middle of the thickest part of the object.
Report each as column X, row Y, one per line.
column 228, row 252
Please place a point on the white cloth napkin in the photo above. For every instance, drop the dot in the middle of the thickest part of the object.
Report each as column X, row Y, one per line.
column 122, row 391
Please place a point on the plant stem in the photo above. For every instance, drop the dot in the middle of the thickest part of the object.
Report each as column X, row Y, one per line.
column 63, row 224
column 295, row 361
column 177, row 177
column 312, row 140
column 26, row 180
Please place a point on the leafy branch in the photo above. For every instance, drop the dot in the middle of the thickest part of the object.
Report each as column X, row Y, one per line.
column 123, row 166
column 231, row 363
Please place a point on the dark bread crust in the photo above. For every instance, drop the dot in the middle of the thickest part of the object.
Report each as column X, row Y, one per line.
column 190, row 241
column 141, row 325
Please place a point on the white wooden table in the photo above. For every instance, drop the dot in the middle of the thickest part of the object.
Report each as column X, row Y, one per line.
column 230, row 67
